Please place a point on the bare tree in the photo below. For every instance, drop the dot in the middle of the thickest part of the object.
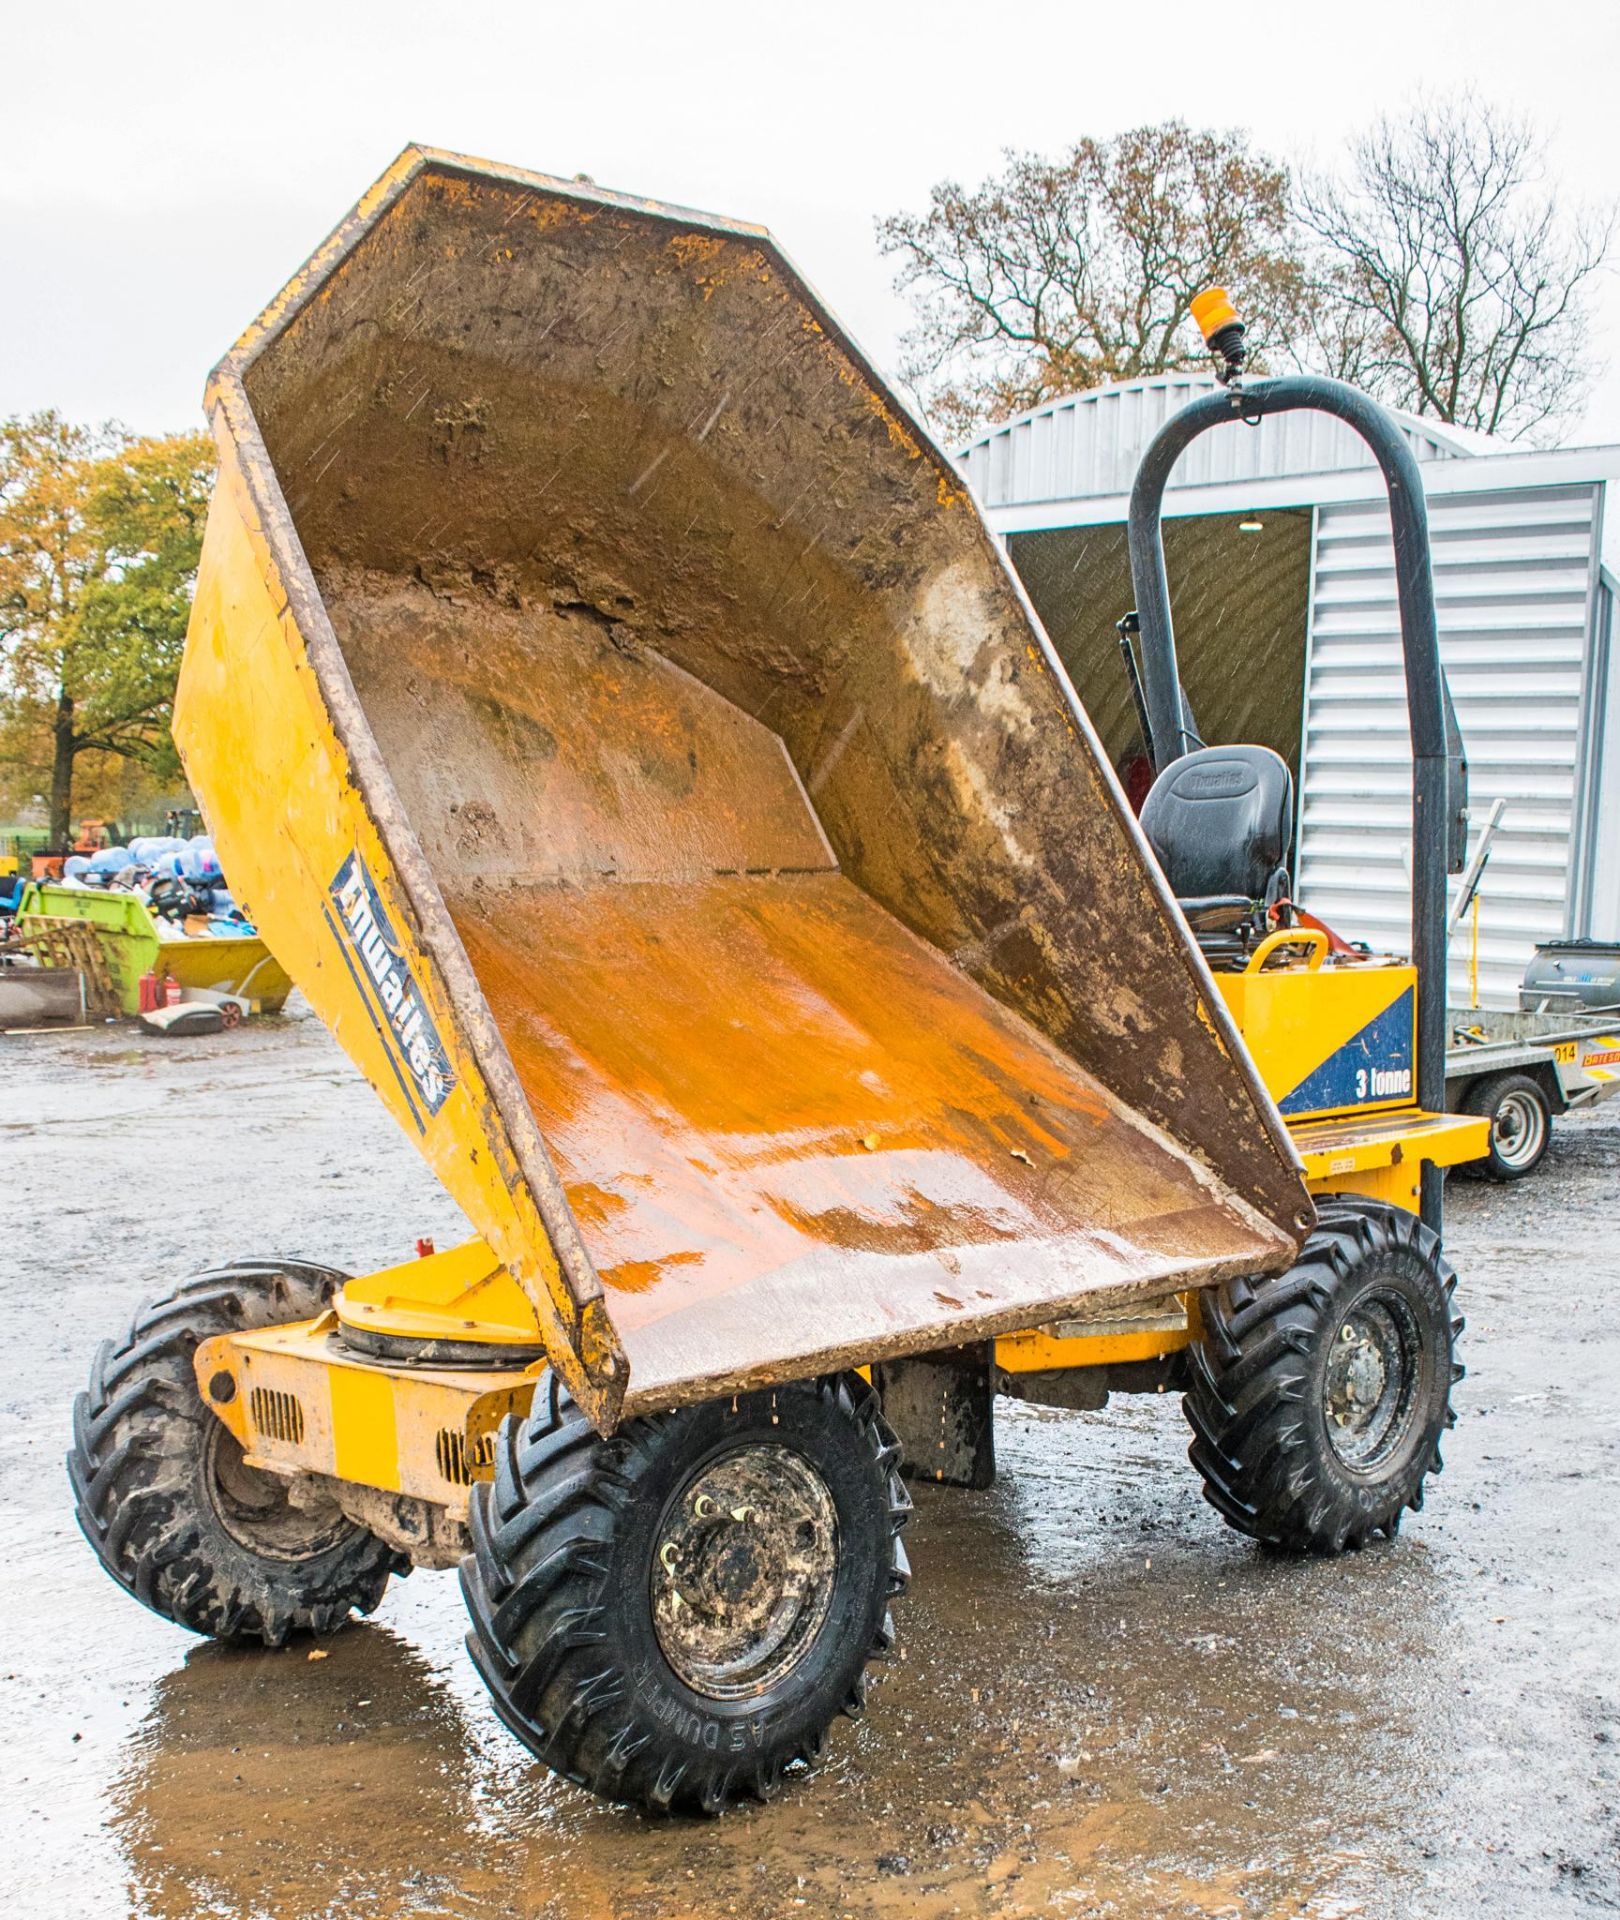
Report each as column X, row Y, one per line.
column 1447, row 278
column 1057, row 275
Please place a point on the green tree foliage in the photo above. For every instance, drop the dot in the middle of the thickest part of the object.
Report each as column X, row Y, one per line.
column 1057, row 275
column 99, row 538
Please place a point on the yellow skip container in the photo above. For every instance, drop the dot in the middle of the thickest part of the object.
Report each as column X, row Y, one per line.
column 633, row 743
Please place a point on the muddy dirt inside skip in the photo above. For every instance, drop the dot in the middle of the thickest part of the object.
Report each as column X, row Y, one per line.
column 1108, row 1704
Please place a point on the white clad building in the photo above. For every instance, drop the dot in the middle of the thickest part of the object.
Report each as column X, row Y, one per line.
column 1283, row 588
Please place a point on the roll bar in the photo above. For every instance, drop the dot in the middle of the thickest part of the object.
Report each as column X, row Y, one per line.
column 1439, row 769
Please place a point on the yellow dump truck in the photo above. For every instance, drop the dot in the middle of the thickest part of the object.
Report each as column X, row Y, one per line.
column 635, row 746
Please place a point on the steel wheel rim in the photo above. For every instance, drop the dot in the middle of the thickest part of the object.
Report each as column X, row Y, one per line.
column 743, row 1570
column 1518, row 1130
column 254, row 1509
column 1369, row 1392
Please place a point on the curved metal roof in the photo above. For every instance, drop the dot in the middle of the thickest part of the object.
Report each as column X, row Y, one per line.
column 1087, row 445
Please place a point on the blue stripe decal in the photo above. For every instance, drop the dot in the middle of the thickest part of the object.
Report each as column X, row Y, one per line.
column 376, row 955
column 1371, row 1068
column 365, row 1001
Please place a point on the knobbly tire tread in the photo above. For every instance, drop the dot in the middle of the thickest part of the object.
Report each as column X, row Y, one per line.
column 539, row 1590
column 140, row 1438
column 1259, row 1447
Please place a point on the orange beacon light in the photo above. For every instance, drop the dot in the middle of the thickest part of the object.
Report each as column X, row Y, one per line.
column 1223, row 331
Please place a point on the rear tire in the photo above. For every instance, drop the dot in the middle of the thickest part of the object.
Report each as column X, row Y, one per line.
column 164, row 1496
column 675, row 1615
column 1521, row 1125
column 1317, row 1397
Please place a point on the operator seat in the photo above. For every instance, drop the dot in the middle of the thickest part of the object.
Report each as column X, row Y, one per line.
column 1220, row 821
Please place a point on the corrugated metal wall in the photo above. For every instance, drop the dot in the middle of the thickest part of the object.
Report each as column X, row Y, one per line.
column 1090, row 445
column 1512, row 581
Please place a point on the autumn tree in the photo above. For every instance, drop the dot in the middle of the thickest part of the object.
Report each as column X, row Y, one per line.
column 1450, row 278
column 1060, row 274
column 99, row 538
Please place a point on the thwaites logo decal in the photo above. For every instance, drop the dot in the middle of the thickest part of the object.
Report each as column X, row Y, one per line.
column 372, row 949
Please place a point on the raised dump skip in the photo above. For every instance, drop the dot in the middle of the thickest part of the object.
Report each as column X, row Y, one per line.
column 789, row 981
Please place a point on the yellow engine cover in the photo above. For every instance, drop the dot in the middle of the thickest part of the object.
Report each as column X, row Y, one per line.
column 1330, row 1039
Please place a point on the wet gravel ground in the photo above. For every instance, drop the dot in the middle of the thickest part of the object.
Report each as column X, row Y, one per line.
column 1108, row 1704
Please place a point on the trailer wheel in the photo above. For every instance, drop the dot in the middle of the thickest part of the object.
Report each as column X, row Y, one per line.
column 675, row 1616
column 1317, row 1398
column 164, row 1496
column 1521, row 1125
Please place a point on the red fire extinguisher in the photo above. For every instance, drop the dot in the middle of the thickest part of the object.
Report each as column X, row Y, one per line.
column 147, row 992
column 171, row 991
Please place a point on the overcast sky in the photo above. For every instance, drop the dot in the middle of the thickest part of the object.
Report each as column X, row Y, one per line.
column 164, row 168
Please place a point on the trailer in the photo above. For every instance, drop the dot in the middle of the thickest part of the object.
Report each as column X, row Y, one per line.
column 1520, row 1069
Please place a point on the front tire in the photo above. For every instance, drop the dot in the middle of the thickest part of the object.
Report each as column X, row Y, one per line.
column 1317, row 1397
column 1521, row 1125
column 164, row 1496
column 675, row 1615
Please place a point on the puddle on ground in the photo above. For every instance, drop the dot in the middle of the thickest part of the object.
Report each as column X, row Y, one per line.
column 1109, row 1706
column 1100, row 1710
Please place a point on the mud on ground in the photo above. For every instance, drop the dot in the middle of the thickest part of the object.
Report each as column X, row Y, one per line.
column 1108, row 1704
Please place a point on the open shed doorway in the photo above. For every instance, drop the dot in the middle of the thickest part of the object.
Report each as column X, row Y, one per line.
column 1240, row 595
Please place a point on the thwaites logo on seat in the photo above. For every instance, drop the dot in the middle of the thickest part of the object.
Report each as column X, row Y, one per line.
column 402, row 1016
